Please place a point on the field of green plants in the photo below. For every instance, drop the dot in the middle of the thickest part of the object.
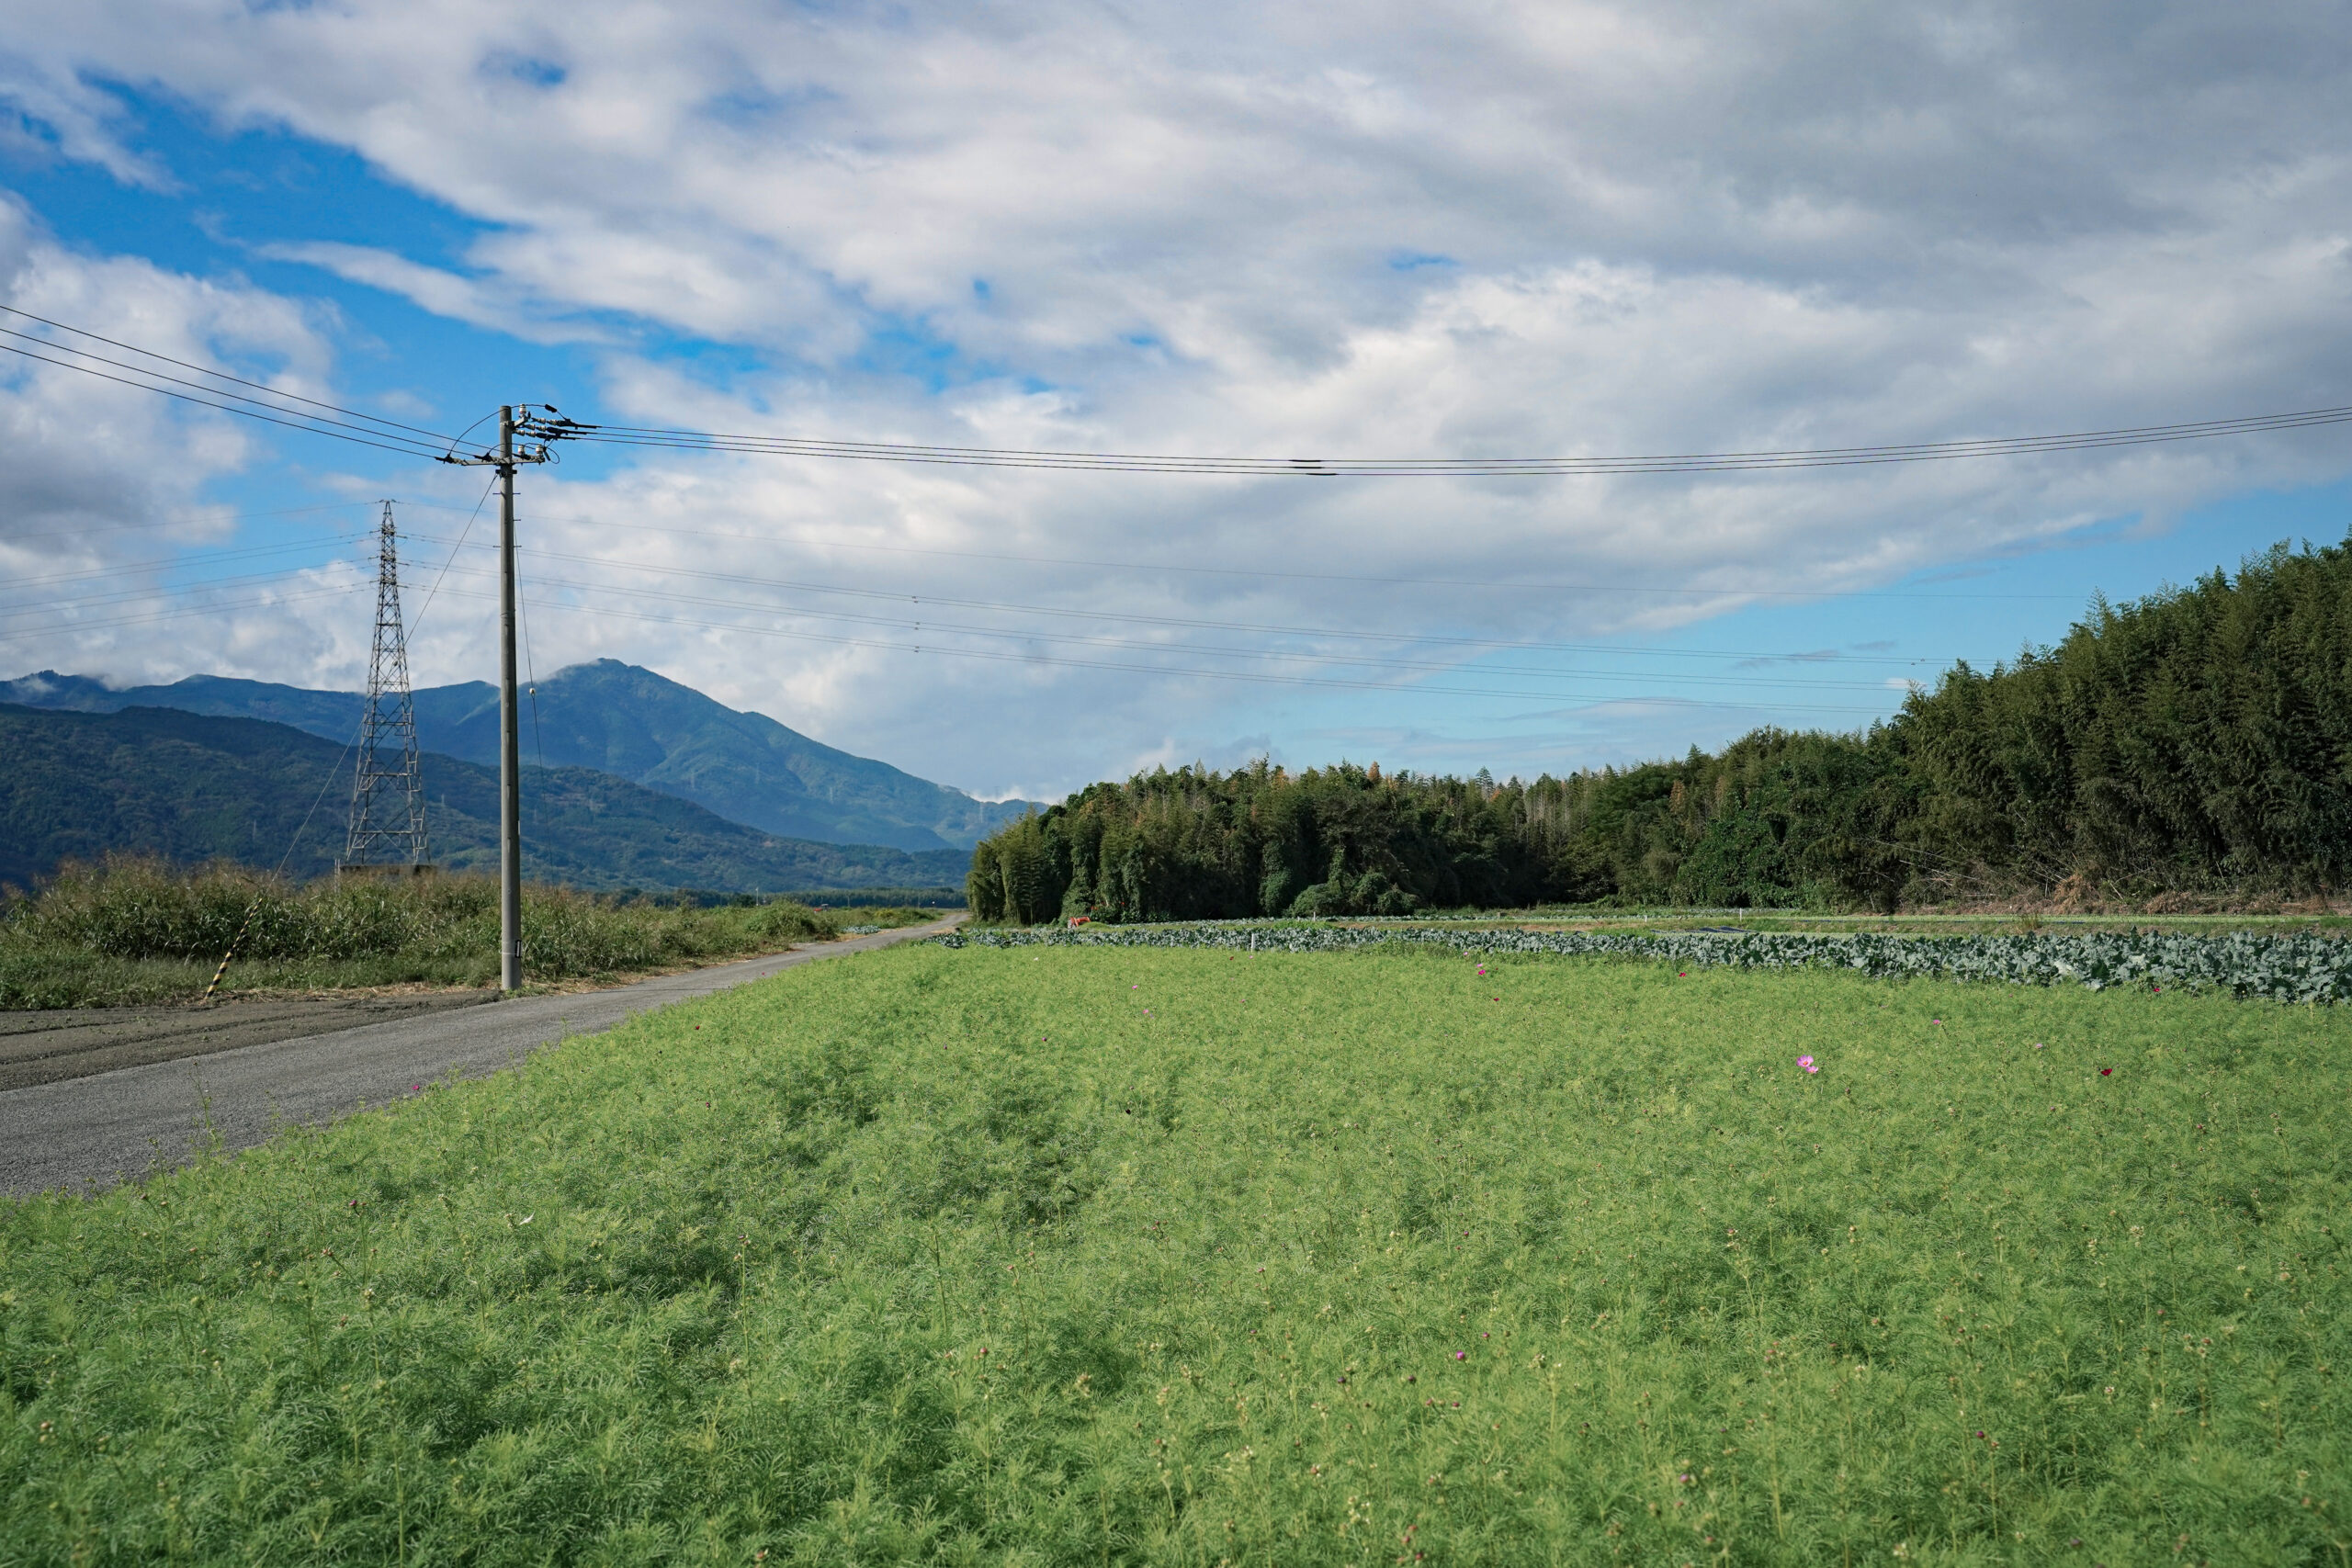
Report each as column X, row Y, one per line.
column 1189, row 1255
column 136, row 931
column 2282, row 965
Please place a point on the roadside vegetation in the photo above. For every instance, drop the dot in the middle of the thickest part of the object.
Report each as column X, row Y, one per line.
column 138, row 932
column 2180, row 752
column 1131, row 1254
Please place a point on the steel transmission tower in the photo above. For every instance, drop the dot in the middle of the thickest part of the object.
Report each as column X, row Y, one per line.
column 388, row 792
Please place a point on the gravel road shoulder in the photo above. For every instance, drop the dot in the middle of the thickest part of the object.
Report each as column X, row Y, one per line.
column 74, row 1042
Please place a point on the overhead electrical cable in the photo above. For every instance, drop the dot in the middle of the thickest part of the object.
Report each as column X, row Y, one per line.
column 224, row 553
column 316, row 423
column 418, row 619
column 1400, row 688
column 1139, row 618
column 129, row 595
column 1192, row 650
column 414, row 440
column 1402, row 468
column 1160, row 567
column 198, row 521
column 306, row 422
column 433, row 435
column 181, row 614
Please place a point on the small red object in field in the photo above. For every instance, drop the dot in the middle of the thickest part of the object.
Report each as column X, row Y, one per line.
column 1077, row 920
column 2105, row 1071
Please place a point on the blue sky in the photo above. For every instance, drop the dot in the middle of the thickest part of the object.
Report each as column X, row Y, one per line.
column 1537, row 230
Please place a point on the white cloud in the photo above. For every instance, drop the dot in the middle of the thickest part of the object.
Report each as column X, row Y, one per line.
column 103, row 485
column 1335, row 229
column 46, row 113
column 442, row 292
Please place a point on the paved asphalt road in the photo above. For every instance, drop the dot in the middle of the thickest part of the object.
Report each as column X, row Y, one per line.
column 89, row 1132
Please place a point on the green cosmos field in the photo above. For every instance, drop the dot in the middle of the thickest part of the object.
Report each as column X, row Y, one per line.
column 1069, row 1255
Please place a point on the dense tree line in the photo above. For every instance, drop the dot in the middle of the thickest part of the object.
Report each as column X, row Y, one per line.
column 2199, row 739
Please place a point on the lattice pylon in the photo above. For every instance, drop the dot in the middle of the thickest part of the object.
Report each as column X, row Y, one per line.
column 388, row 790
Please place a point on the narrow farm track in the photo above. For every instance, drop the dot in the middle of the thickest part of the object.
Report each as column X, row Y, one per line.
column 86, row 1133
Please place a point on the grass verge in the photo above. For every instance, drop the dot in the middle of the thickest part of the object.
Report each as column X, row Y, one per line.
column 1169, row 1255
column 131, row 933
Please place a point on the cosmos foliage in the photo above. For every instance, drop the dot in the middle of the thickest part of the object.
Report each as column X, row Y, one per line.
column 1138, row 1255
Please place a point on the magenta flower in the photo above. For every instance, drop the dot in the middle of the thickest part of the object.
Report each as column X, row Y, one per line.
column 1808, row 1063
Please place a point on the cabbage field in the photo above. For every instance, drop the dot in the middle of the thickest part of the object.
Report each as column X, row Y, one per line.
column 2294, row 966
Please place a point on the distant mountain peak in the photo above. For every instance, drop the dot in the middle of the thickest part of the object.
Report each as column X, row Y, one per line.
column 615, row 718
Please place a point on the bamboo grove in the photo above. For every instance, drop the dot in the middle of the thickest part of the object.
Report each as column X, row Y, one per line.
column 2196, row 741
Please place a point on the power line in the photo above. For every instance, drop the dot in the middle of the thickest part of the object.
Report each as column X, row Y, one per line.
column 318, row 420
column 180, row 615
column 1277, row 655
column 1400, row 468
column 405, row 438
column 124, row 595
column 430, row 592
column 1394, row 687
column 912, row 624
column 1208, row 652
column 1138, row 618
column 207, row 370
column 1160, row 567
column 305, row 423
column 224, row 553
column 317, row 424
column 191, row 522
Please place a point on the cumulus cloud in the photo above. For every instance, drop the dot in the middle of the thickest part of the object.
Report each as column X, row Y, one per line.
column 436, row 289
column 1343, row 230
column 103, row 485
column 45, row 111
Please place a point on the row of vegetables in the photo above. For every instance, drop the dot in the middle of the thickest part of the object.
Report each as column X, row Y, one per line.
column 2301, row 966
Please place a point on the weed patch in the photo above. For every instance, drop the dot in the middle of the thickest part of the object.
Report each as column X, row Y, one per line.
column 134, row 932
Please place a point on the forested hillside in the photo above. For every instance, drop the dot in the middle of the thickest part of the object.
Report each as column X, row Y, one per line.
column 2198, row 741
column 185, row 788
column 615, row 718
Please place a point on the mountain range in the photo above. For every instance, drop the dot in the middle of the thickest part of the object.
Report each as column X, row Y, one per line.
column 615, row 718
column 190, row 787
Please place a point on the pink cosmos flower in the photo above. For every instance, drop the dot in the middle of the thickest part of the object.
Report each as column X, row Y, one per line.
column 1808, row 1063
